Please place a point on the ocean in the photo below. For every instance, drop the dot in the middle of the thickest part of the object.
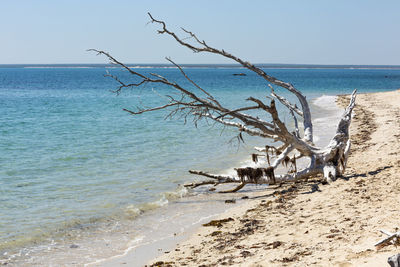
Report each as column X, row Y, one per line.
column 82, row 180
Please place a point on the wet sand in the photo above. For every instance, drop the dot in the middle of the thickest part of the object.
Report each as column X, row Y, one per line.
column 312, row 223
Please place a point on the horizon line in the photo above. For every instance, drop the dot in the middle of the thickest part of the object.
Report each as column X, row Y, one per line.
column 262, row 63
column 235, row 65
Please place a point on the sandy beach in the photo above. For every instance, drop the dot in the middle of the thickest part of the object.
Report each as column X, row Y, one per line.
column 312, row 223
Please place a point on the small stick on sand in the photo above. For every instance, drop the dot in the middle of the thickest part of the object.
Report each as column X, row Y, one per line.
column 391, row 237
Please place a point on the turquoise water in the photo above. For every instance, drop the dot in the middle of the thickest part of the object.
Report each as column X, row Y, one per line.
column 70, row 157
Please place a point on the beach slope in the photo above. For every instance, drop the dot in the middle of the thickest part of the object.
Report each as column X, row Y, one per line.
column 314, row 223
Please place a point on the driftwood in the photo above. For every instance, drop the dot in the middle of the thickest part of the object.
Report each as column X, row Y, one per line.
column 199, row 104
column 393, row 238
column 394, row 261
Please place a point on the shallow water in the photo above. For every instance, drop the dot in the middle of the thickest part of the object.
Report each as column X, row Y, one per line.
column 74, row 165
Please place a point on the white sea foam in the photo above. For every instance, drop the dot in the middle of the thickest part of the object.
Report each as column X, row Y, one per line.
column 327, row 115
column 327, row 102
column 180, row 192
column 131, row 245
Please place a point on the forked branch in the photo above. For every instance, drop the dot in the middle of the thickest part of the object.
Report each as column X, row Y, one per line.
column 199, row 103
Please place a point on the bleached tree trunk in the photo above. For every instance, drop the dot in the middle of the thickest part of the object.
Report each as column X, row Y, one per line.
column 200, row 104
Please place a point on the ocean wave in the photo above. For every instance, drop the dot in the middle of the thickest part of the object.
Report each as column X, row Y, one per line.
column 326, row 102
column 134, row 210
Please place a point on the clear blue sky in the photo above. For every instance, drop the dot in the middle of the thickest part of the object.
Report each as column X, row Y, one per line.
column 265, row 31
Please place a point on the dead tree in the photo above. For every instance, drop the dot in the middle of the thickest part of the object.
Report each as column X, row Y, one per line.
column 290, row 145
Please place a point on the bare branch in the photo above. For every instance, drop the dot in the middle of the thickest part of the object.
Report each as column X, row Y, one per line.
column 198, row 103
column 237, row 110
column 197, row 184
column 296, row 125
column 308, row 128
column 150, row 109
column 285, row 102
column 195, row 84
column 282, row 156
column 243, row 128
column 237, row 188
column 220, row 178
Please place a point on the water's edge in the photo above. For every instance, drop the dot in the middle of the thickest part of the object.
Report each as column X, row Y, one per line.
column 150, row 234
column 141, row 253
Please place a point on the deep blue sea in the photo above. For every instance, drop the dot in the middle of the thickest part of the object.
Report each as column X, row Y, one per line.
column 72, row 159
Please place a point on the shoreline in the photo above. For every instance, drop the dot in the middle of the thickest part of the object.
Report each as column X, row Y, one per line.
column 136, row 255
column 146, row 236
column 312, row 223
column 167, row 245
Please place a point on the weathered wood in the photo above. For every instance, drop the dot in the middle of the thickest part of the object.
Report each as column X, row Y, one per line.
column 394, row 261
column 240, row 186
column 199, row 104
column 392, row 237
